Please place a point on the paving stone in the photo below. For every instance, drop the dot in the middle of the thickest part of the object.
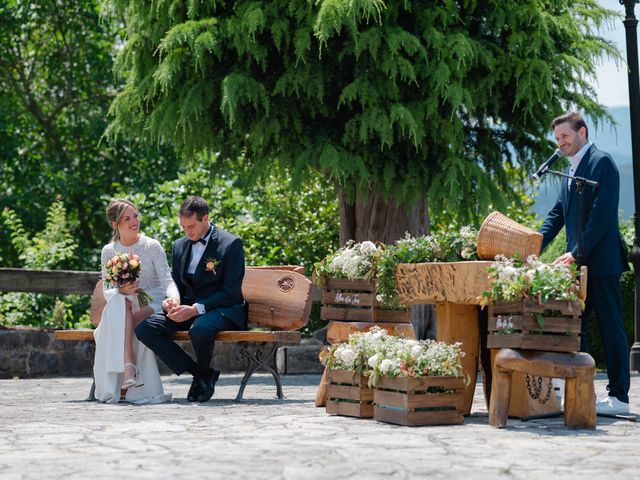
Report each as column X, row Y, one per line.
column 47, row 431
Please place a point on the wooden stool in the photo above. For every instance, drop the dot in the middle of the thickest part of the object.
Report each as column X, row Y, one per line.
column 578, row 369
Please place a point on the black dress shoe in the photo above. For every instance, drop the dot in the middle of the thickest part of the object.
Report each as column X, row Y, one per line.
column 208, row 385
column 194, row 390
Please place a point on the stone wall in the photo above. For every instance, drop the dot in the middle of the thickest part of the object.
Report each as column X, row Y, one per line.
column 31, row 353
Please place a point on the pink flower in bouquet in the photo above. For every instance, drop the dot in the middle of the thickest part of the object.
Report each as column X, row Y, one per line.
column 124, row 269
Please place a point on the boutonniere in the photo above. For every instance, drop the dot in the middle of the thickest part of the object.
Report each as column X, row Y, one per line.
column 211, row 264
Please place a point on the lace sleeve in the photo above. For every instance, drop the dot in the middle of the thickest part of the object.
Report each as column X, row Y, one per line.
column 107, row 253
column 163, row 271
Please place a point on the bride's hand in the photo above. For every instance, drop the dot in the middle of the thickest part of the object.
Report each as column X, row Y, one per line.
column 129, row 288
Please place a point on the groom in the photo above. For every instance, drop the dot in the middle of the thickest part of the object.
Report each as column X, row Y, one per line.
column 208, row 267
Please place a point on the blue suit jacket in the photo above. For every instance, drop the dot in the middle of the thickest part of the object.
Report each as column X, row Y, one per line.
column 602, row 248
column 219, row 290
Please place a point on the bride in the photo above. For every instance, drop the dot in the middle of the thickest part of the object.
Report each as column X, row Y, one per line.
column 124, row 368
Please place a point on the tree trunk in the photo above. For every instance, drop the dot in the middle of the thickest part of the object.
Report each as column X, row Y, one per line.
column 378, row 219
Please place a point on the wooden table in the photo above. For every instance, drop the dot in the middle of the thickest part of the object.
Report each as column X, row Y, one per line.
column 456, row 288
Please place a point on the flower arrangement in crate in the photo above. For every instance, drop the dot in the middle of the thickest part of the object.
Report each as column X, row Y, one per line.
column 347, row 277
column 414, row 382
column 376, row 264
column 348, row 390
column 533, row 305
column 417, row 382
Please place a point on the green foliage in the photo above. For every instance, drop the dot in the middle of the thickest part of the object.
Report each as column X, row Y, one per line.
column 279, row 224
column 447, row 98
column 56, row 84
column 448, row 244
column 52, row 248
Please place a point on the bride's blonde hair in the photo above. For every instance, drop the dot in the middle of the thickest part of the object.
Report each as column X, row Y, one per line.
column 115, row 211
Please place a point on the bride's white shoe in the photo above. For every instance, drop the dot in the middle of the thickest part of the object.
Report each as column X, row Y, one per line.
column 134, row 381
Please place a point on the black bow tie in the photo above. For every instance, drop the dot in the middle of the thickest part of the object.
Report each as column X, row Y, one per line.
column 202, row 241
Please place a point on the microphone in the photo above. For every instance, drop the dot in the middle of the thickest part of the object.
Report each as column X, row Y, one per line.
column 545, row 166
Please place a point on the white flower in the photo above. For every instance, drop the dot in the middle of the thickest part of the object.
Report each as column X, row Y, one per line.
column 373, row 361
column 386, row 365
column 337, row 263
column 368, row 248
column 510, row 271
column 378, row 334
column 347, row 356
column 416, row 350
column 466, row 253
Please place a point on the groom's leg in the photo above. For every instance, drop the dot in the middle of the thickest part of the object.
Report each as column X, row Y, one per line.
column 203, row 332
column 156, row 331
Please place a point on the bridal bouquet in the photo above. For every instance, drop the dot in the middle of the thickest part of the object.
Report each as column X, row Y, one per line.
column 125, row 268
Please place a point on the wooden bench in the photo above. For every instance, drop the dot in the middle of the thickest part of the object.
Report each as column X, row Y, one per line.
column 279, row 299
column 577, row 368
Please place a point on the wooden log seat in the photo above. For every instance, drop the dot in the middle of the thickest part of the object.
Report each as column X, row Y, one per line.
column 578, row 370
column 279, row 300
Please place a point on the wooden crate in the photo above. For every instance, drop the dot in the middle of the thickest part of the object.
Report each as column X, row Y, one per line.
column 409, row 402
column 553, row 326
column 355, row 301
column 348, row 394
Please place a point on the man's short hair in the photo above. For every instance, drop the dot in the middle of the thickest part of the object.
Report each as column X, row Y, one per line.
column 574, row 119
column 194, row 205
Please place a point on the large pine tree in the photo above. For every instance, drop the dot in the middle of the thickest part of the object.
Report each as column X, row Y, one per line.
column 397, row 102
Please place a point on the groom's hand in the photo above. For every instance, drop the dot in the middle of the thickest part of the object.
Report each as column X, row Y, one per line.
column 182, row 313
column 565, row 259
column 170, row 303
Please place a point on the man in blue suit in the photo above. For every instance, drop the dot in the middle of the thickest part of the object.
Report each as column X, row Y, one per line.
column 593, row 239
column 208, row 268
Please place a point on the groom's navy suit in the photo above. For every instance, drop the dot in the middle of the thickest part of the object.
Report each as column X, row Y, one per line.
column 219, row 290
column 601, row 249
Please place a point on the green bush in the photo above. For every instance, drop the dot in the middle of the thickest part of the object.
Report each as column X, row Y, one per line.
column 279, row 222
column 52, row 248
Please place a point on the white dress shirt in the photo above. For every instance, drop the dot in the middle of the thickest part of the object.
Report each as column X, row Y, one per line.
column 574, row 161
column 197, row 250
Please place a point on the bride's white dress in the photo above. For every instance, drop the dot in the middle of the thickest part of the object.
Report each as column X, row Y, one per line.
column 108, row 367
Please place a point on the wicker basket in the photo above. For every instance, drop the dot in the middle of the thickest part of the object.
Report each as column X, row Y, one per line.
column 501, row 235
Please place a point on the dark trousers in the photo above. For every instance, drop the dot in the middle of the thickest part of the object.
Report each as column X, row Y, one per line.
column 604, row 299
column 156, row 331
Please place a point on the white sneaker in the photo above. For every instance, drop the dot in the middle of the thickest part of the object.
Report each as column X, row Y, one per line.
column 558, row 387
column 611, row 406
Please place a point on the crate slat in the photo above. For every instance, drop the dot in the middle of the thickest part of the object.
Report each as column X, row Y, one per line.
column 416, row 419
column 515, row 324
column 396, row 401
column 348, row 394
column 346, row 409
column 355, row 301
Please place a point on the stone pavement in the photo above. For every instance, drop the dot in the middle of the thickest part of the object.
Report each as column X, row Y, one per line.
column 46, row 431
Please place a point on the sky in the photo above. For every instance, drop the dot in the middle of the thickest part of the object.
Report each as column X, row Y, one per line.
column 612, row 81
